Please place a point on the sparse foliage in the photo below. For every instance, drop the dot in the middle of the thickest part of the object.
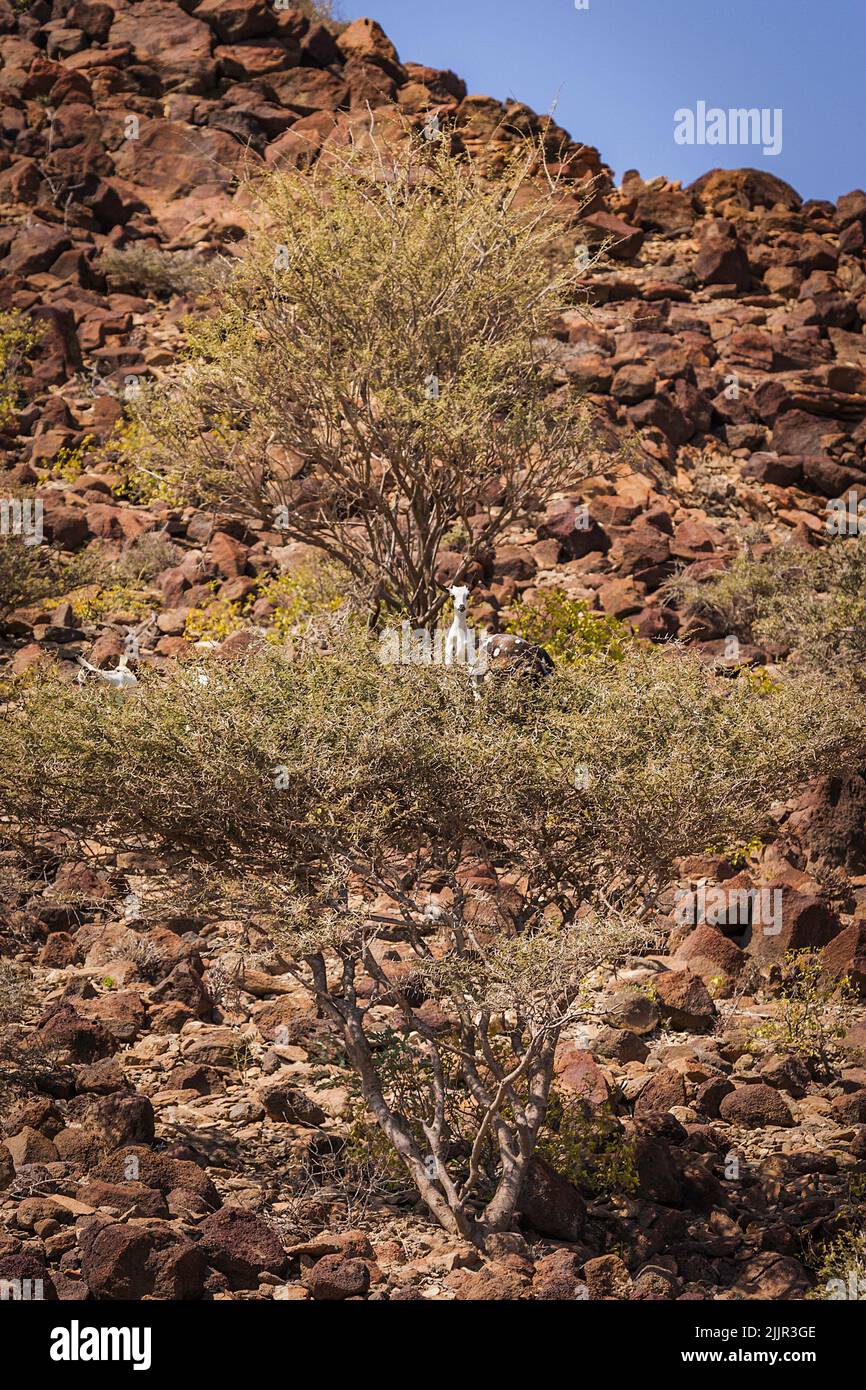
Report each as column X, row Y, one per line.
column 567, row 628
column 588, row 1146
column 153, row 271
column 813, row 602
column 374, row 374
column 18, row 337
column 360, row 859
column 814, row 1008
column 25, row 1063
column 31, row 573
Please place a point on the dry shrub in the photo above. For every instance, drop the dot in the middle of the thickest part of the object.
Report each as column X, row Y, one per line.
column 375, row 373
column 343, row 802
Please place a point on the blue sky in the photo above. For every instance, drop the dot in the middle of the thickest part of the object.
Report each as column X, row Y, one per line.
column 619, row 70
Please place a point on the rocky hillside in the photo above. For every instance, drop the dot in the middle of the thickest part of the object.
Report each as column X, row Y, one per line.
column 727, row 340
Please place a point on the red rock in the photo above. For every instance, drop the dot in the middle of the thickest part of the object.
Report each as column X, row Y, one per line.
column 242, row 1246
column 846, row 955
column 578, row 1073
column 35, row 249
column 184, row 985
column 755, row 1107
column 319, row 47
column 162, row 34
column 159, row 1170
column 7, row 1168
column 81, row 1039
column 58, row 353
column 124, row 1197
column 663, row 210
column 442, row 84
column 851, row 207
column 497, row 1281
column 364, row 38
column 550, row 1204
column 29, row 1146
column 659, row 1178
column 247, row 62
column 170, row 159
column 830, row 822
column 28, row 1267
column 664, row 1090
column 723, row 262
column 28, row 657
column 658, row 413
column 369, row 86
column 134, row 1262
column 300, row 146
column 79, row 881
column 804, row 922
column 619, row 598
column 607, row 1277
column 799, row 432
column 93, row 17
column 572, row 524
column 634, row 382
column 710, row 954
column 768, row 1276
column 121, row 1013
column 309, row 91
column 625, row 241
column 710, row 1095
column 558, row 1276
column 514, row 562
column 289, row 1105
column 334, row 1278
column 234, row 20
column 643, row 551
column 684, row 1001
column 750, row 188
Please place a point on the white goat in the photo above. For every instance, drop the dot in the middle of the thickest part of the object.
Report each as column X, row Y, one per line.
column 457, row 641
column 121, row 678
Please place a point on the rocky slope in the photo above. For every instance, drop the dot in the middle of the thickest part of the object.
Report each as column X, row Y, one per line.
column 727, row 332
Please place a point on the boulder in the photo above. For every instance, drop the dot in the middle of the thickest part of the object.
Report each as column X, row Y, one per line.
column 234, row 20
column 141, row 1261
column 845, row 955
column 684, row 1002
column 550, row 1204
column 287, row 1104
column 165, row 36
column 755, row 1107
column 664, row 1090
column 138, row 1164
column 334, row 1278
column 242, row 1246
column 710, row 955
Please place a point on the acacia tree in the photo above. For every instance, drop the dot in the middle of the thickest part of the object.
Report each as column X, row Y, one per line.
column 348, row 805
column 374, row 378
